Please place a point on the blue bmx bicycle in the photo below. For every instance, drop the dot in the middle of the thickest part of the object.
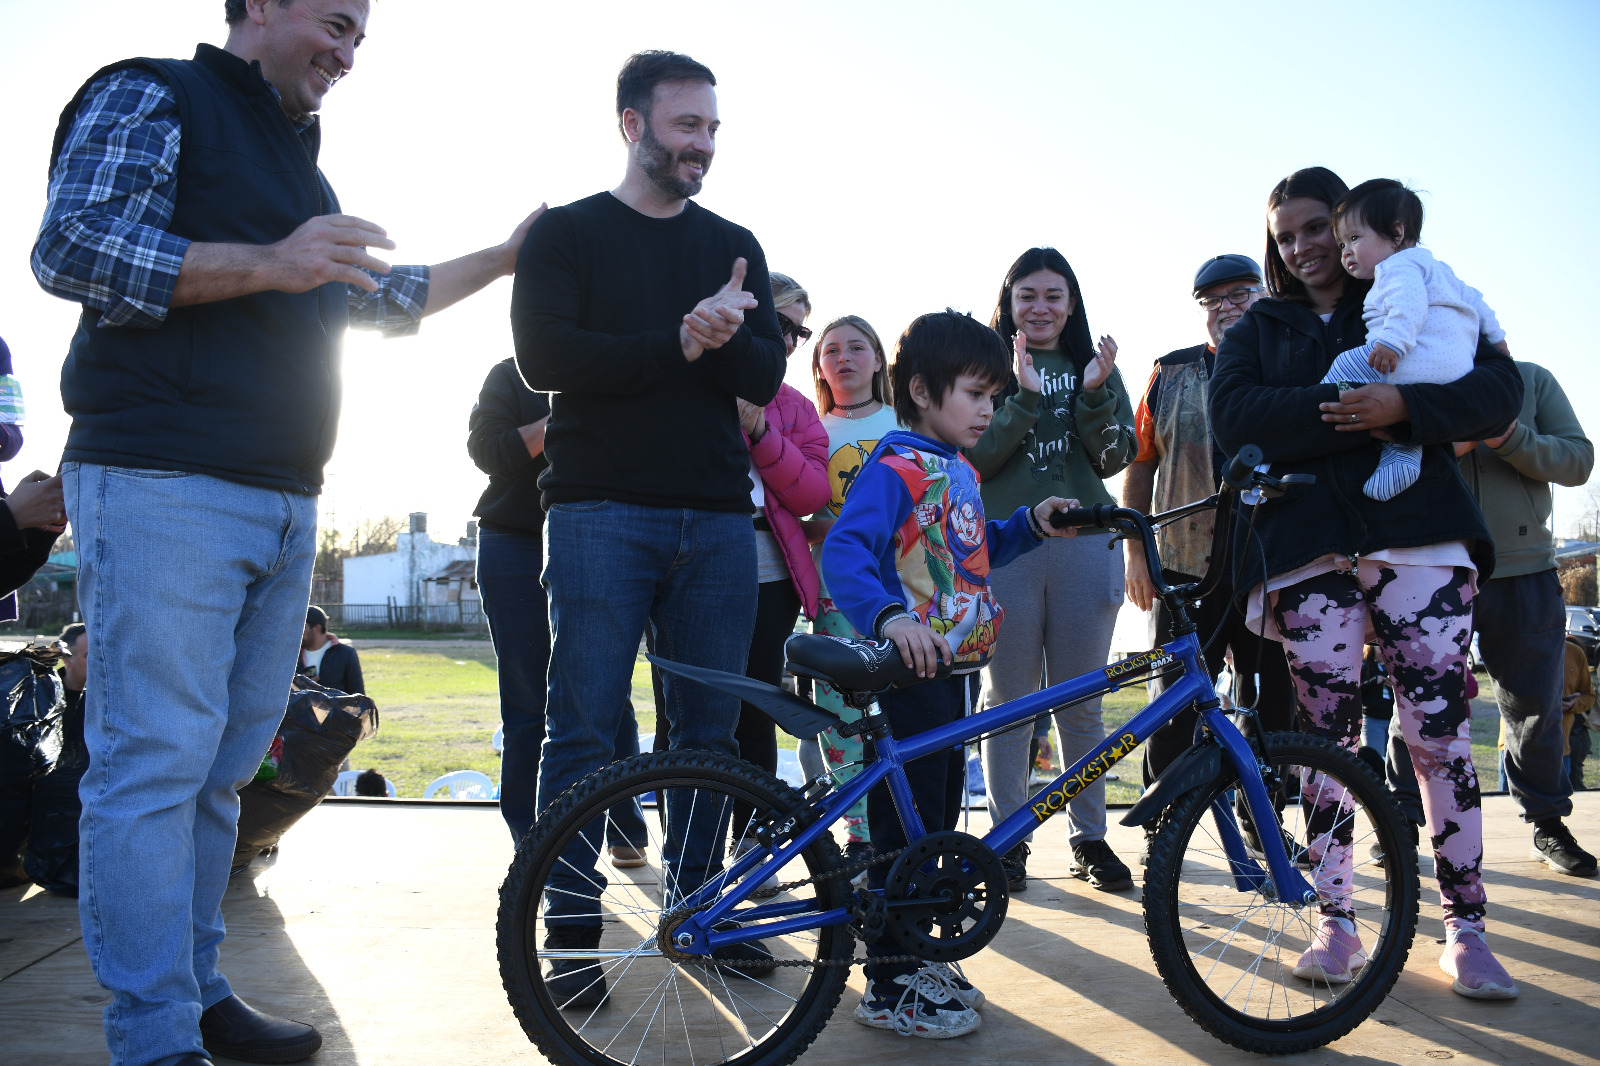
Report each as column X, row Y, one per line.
column 732, row 941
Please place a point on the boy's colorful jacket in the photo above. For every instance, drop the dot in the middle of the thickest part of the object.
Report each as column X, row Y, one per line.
column 912, row 537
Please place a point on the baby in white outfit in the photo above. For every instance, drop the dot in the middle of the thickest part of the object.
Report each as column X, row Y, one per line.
column 1422, row 321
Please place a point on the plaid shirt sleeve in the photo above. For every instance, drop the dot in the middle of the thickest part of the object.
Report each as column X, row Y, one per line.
column 397, row 307
column 103, row 242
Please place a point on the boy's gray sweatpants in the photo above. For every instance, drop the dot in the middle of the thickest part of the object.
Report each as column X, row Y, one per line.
column 1061, row 602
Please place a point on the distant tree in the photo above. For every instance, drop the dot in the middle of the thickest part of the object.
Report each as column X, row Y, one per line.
column 1586, row 526
column 1578, row 585
column 370, row 537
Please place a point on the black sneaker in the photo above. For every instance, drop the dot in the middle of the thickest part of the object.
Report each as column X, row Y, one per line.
column 1094, row 861
column 575, row 984
column 1149, row 842
column 858, row 851
column 749, row 959
column 1376, row 851
column 1015, row 864
column 1553, row 845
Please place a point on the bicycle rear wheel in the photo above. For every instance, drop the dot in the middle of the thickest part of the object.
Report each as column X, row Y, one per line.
column 578, row 937
column 1229, row 954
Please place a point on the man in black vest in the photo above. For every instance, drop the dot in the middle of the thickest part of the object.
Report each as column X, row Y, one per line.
column 217, row 275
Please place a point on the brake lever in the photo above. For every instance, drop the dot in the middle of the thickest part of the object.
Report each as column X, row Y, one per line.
column 1271, row 487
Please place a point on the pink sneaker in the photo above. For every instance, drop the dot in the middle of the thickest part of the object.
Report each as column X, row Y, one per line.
column 1335, row 954
column 1478, row 974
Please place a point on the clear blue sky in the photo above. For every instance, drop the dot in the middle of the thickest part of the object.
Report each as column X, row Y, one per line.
column 893, row 157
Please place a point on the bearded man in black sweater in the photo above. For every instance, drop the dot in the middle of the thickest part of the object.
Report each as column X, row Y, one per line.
column 646, row 317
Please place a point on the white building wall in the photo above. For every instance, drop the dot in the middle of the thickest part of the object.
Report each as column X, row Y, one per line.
column 399, row 574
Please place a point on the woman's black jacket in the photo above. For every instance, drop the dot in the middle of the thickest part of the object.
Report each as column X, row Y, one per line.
column 511, row 502
column 1265, row 391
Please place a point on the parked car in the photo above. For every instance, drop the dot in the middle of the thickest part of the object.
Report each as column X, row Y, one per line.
column 1583, row 629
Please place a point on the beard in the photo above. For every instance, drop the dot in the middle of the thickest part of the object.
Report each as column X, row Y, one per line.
column 661, row 166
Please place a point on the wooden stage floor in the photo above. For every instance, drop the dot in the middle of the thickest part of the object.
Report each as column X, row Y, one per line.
column 376, row 923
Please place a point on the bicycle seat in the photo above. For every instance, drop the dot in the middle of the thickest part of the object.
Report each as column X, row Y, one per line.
column 850, row 664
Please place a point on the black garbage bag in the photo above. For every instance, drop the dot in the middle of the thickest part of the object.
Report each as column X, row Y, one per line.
column 30, row 732
column 320, row 727
column 31, row 700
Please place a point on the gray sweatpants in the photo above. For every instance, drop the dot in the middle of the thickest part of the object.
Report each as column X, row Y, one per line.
column 1061, row 602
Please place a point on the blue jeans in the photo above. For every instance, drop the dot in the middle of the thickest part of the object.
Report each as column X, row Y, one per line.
column 611, row 569
column 195, row 590
column 509, row 566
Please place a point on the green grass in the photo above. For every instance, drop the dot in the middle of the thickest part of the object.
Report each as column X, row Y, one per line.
column 438, row 711
column 439, row 707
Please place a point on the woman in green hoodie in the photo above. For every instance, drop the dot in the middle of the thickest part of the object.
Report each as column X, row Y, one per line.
column 1066, row 425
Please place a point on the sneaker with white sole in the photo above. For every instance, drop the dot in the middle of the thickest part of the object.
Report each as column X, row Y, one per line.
column 1477, row 973
column 921, row 1004
column 1335, row 953
column 967, row 992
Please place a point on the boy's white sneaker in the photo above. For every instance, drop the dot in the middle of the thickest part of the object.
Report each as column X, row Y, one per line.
column 922, row 1004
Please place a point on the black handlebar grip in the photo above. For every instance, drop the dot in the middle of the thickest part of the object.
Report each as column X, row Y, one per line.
column 1241, row 466
column 1077, row 516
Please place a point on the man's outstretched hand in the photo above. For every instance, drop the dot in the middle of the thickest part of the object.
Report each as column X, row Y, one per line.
column 715, row 320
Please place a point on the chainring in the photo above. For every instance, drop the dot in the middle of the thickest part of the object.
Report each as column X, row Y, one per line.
column 946, row 896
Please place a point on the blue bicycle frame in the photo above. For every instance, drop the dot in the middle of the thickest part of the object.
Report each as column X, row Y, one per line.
column 699, row 935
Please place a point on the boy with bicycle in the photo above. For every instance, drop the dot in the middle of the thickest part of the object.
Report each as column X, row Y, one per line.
column 908, row 561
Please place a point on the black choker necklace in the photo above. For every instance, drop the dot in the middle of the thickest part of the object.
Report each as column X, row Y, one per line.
column 854, row 406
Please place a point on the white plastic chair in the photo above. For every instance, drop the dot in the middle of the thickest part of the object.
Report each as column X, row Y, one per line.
column 462, row 784
column 345, row 784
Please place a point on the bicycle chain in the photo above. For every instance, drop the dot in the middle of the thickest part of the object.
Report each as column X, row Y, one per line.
column 848, row 871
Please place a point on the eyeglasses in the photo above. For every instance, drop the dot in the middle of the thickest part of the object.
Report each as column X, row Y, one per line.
column 787, row 327
column 1237, row 297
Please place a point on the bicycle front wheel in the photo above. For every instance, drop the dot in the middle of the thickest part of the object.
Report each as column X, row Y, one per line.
column 1230, row 953
column 580, row 922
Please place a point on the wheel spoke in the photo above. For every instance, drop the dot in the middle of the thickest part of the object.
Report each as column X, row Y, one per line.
column 659, row 1009
column 1229, row 954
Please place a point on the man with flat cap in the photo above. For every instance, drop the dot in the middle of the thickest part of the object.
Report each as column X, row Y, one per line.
column 1178, row 463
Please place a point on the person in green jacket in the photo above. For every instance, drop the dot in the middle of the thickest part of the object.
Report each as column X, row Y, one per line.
column 1520, row 615
column 1066, row 425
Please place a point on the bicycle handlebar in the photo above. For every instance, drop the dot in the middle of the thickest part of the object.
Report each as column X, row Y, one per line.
column 1238, row 474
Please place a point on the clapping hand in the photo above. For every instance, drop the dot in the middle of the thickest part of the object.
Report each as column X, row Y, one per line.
column 715, row 320
column 325, row 249
column 1099, row 370
column 753, row 419
column 1027, row 376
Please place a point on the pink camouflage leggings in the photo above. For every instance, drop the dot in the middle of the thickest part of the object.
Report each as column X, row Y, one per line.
column 1422, row 619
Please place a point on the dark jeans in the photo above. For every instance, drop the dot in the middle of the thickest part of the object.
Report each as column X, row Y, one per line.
column 935, row 780
column 1522, row 632
column 777, row 606
column 611, row 570
column 509, row 570
column 1273, row 698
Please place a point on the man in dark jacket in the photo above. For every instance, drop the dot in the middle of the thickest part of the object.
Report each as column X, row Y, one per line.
column 505, row 437
column 217, row 275
column 325, row 658
column 1520, row 615
column 1179, row 463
